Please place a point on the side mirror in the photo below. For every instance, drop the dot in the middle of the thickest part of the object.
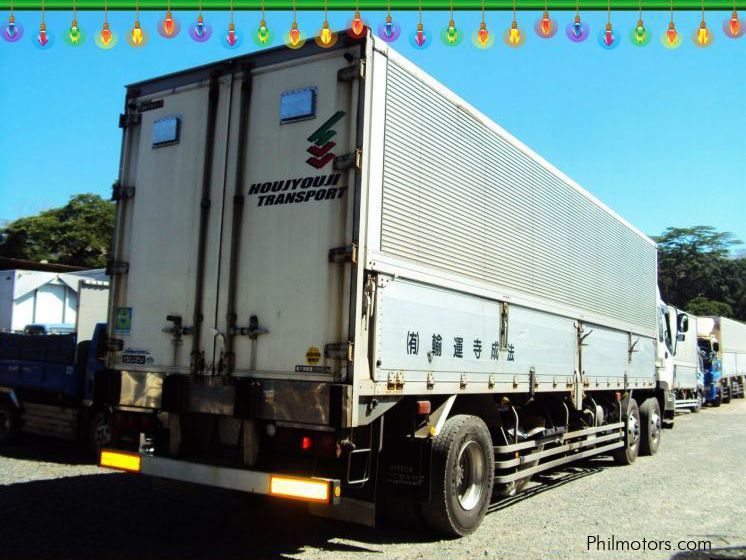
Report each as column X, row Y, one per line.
column 716, row 347
column 683, row 322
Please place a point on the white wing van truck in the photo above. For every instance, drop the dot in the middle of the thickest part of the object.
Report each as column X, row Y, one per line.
column 334, row 280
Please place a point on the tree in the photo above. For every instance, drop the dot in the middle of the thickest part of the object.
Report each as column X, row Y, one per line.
column 78, row 233
column 695, row 271
column 702, row 307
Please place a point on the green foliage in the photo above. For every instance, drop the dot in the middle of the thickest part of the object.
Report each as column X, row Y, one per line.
column 702, row 306
column 78, row 233
column 696, row 273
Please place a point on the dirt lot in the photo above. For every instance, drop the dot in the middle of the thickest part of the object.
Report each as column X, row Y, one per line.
column 54, row 503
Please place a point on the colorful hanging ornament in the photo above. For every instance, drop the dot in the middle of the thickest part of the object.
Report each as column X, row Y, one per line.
column 608, row 38
column 356, row 27
column 513, row 36
column 44, row 38
column 74, row 36
column 389, row 31
column 639, row 34
column 263, row 36
column 168, row 27
column 106, row 38
column 703, row 37
column 671, row 38
column 295, row 38
column 545, row 26
column 483, row 39
column 13, row 31
column 231, row 38
column 419, row 39
column 577, row 30
column 137, row 37
column 451, row 36
column 200, row 31
column 731, row 26
column 326, row 37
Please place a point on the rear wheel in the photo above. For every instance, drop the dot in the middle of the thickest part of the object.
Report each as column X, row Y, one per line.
column 99, row 430
column 462, row 475
column 10, row 422
column 699, row 404
column 626, row 455
column 725, row 392
column 650, row 426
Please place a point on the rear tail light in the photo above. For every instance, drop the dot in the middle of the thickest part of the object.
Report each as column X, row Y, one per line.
column 306, row 443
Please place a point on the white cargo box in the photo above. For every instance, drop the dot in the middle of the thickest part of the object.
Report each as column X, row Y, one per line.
column 731, row 335
column 303, row 215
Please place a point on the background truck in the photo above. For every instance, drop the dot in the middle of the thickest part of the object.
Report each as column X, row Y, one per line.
column 688, row 376
column 723, row 342
column 334, row 280
column 47, row 380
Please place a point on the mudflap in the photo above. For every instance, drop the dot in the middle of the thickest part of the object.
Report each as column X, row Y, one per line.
column 668, row 408
column 405, row 468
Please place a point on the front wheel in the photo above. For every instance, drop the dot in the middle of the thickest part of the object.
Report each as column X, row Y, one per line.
column 626, row 455
column 10, row 422
column 650, row 424
column 462, row 475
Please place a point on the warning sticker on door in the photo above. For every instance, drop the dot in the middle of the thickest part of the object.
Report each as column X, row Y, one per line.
column 313, row 355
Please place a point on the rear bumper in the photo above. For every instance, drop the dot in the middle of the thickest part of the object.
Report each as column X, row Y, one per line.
column 313, row 490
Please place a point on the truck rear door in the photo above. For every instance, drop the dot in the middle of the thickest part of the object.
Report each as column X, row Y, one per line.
column 288, row 240
column 170, row 199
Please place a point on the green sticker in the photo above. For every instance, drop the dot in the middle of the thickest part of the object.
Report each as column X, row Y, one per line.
column 124, row 320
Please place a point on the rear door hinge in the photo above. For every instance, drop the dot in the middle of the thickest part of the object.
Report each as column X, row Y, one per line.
column 122, row 192
column 340, row 351
column 117, row 267
column 348, row 161
column 343, row 254
column 355, row 71
column 129, row 119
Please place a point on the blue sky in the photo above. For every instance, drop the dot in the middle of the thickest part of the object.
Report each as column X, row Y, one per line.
column 658, row 135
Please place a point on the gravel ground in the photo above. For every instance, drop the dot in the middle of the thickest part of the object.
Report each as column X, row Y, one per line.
column 56, row 504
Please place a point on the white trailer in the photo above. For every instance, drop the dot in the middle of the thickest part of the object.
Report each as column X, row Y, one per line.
column 335, row 280
column 688, row 375
column 726, row 339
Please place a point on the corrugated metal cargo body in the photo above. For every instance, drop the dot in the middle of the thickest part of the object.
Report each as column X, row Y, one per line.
column 309, row 241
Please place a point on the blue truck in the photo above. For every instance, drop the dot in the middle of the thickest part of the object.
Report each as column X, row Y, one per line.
column 47, row 387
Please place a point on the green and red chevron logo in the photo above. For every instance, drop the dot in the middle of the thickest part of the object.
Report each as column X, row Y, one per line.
column 321, row 146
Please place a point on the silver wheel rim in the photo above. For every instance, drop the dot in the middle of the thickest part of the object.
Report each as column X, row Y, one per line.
column 101, row 433
column 633, row 430
column 470, row 475
column 655, row 426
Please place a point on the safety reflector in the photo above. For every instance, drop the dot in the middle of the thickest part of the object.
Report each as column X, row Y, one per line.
column 299, row 488
column 119, row 460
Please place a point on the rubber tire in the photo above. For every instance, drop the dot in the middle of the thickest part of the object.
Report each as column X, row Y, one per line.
column 443, row 512
column 649, row 443
column 626, row 455
column 10, row 422
column 726, row 400
column 700, row 403
column 95, row 441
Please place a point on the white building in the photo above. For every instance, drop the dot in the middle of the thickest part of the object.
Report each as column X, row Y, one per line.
column 48, row 298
